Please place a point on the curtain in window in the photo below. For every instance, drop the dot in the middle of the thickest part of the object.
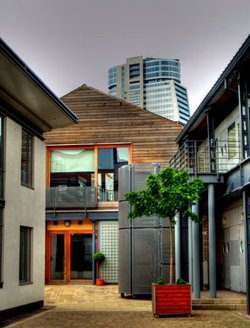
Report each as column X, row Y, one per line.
column 72, row 161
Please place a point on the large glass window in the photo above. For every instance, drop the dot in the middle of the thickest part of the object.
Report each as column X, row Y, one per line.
column 109, row 161
column 25, row 255
column 72, row 167
column 27, row 159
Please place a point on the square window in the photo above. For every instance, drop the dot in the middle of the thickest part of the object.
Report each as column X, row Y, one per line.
column 25, row 254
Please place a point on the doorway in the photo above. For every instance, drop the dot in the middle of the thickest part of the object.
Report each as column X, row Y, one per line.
column 81, row 256
column 69, row 256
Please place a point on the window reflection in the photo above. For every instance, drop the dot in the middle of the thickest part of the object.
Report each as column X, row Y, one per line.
column 109, row 161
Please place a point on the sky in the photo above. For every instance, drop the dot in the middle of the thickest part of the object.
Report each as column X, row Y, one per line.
column 68, row 43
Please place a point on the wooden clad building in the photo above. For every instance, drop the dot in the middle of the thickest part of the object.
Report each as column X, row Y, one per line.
column 106, row 120
column 82, row 179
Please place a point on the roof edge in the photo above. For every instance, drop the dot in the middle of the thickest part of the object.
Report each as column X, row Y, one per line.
column 215, row 87
column 30, row 74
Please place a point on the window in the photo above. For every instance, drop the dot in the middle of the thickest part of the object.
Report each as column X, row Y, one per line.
column 72, row 167
column 27, row 159
column 232, row 148
column 25, row 255
column 109, row 162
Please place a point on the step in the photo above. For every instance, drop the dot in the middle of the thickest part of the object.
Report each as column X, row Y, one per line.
column 219, row 304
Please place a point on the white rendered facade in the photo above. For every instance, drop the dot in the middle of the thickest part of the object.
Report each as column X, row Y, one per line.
column 153, row 84
column 27, row 110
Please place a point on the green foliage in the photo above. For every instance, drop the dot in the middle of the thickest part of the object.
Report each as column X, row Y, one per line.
column 160, row 281
column 167, row 193
column 98, row 257
column 180, row 281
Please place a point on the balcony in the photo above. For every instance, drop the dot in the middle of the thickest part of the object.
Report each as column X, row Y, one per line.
column 62, row 197
column 198, row 157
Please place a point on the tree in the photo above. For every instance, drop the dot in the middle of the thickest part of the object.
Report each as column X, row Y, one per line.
column 167, row 193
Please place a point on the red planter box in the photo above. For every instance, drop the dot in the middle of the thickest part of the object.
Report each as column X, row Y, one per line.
column 171, row 300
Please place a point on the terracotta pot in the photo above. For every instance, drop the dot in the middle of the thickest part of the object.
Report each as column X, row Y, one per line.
column 171, row 300
column 99, row 282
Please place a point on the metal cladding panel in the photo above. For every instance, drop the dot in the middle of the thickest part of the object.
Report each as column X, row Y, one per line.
column 133, row 177
column 124, row 181
column 145, row 259
column 165, row 246
column 124, row 209
column 140, row 172
column 146, row 222
column 165, row 252
column 124, row 271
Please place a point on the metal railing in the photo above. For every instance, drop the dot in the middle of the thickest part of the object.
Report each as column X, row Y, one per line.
column 198, row 157
column 105, row 195
column 70, row 197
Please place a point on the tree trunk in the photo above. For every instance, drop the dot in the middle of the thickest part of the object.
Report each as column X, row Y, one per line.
column 170, row 251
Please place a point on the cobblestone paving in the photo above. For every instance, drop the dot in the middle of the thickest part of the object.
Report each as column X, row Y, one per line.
column 98, row 319
column 89, row 306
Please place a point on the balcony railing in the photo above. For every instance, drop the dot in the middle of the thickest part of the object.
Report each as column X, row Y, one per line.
column 70, row 197
column 200, row 158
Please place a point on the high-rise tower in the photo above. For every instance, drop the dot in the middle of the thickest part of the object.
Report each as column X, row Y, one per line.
column 153, row 84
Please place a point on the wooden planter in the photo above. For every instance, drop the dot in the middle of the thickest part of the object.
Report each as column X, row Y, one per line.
column 171, row 300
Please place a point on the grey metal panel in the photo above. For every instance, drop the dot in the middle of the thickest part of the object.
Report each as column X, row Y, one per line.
column 133, row 177
column 164, row 222
column 124, row 173
column 145, row 259
column 124, row 209
column 165, row 246
column 124, row 274
column 146, row 221
column 226, row 259
column 165, row 253
column 140, row 172
column 143, row 222
column 164, row 272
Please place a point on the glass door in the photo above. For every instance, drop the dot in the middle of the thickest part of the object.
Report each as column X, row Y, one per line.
column 81, row 256
column 57, row 257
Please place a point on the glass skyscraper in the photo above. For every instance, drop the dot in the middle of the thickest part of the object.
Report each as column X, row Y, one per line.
column 153, row 84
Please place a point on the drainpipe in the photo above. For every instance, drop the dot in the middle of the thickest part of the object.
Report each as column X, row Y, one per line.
column 211, row 241
column 93, row 251
column 247, row 247
column 177, row 231
column 190, row 252
column 196, row 254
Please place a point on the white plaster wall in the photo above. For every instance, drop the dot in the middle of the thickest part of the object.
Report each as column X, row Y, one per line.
column 234, row 242
column 221, row 134
column 26, row 207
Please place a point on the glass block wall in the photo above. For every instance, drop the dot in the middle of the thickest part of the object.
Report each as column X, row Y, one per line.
column 108, row 244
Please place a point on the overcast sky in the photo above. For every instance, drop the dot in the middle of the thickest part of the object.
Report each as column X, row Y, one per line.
column 68, row 43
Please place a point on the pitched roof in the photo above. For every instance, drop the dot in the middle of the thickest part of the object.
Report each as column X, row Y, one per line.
column 104, row 119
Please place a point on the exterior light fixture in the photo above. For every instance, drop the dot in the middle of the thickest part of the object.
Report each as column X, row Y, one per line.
column 67, row 223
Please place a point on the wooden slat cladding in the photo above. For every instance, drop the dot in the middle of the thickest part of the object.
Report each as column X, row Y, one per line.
column 107, row 120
